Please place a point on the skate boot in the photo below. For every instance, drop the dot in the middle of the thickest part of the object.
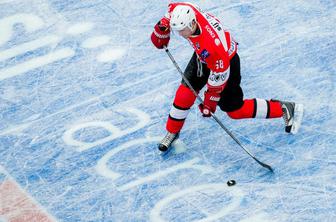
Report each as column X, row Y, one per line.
column 292, row 114
column 167, row 141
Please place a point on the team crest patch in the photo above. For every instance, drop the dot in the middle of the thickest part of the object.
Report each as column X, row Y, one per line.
column 205, row 54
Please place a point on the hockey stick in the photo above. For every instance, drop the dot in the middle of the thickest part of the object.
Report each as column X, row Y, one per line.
column 212, row 114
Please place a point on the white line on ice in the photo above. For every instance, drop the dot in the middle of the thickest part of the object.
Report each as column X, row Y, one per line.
column 79, row 28
column 35, row 63
column 30, row 22
column 28, row 46
column 111, row 55
column 90, row 100
column 95, row 41
column 143, row 117
column 101, row 166
column 155, row 214
column 191, row 164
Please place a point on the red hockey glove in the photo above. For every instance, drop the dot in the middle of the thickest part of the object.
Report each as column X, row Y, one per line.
column 210, row 103
column 161, row 35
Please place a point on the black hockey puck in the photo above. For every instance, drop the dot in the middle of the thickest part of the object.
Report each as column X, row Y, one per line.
column 231, row 183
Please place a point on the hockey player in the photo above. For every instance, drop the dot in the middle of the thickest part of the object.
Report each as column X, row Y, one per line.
column 216, row 64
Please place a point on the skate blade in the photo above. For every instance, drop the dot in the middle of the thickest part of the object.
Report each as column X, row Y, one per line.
column 298, row 115
column 176, row 147
column 168, row 152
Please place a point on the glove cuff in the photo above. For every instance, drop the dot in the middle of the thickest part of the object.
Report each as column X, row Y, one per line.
column 212, row 95
column 161, row 35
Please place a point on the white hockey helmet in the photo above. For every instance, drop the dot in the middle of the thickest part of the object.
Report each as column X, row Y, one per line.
column 181, row 17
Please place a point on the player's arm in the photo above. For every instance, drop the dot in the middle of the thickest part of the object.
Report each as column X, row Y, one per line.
column 161, row 34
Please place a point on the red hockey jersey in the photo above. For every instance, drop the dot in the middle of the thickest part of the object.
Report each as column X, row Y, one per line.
column 214, row 46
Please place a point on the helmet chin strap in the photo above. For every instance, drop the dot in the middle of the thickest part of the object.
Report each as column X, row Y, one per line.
column 190, row 25
column 194, row 27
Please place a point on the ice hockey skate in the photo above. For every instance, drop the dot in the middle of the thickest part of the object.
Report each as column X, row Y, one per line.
column 292, row 114
column 166, row 142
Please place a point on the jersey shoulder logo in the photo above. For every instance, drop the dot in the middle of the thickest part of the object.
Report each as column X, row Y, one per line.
column 205, row 54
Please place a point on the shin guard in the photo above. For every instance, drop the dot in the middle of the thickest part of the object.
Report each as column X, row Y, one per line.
column 184, row 99
column 257, row 108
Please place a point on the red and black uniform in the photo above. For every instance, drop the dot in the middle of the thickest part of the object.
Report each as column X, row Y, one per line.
column 215, row 63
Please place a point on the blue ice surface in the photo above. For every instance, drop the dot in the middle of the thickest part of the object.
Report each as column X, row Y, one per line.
column 2, row 177
column 287, row 51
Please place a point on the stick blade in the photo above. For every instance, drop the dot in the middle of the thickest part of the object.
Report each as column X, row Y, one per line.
column 264, row 165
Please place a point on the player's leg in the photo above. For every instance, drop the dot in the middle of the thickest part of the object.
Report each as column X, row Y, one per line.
column 197, row 74
column 236, row 107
